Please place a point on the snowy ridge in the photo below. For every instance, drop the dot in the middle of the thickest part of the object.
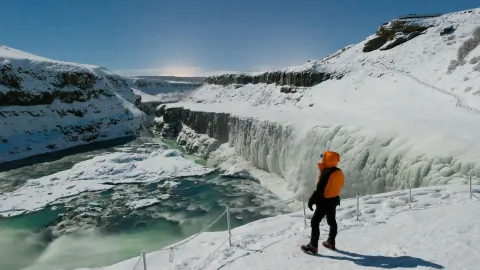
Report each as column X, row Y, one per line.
column 401, row 236
column 48, row 105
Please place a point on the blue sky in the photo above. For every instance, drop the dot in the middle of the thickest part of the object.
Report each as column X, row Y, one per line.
column 197, row 37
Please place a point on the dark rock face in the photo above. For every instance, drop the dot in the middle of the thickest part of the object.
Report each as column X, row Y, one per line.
column 81, row 80
column 20, row 98
column 447, row 30
column 7, row 77
column 149, row 107
column 215, row 125
column 156, row 83
column 399, row 32
column 302, row 78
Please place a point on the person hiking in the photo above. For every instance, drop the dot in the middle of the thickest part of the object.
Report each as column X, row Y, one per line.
column 326, row 197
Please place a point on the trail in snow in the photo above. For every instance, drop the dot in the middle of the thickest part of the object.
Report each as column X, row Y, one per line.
column 460, row 101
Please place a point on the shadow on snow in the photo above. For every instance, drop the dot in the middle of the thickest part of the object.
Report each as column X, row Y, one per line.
column 382, row 261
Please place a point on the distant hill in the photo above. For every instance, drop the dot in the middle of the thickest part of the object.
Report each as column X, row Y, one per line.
column 176, row 79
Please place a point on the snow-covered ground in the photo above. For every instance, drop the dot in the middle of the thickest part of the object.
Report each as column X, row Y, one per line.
column 391, row 129
column 100, row 173
column 48, row 105
column 441, row 231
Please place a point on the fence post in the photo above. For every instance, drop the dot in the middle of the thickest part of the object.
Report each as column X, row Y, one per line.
column 228, row 224
column 410, row 197
column 144, row 258
column 304, row 214
column 470, row 187
column 358, row 205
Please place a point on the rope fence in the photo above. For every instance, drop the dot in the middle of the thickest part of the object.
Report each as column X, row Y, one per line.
column 459, row 100
column 142, row 256
column 227, row 212
column 229, row 209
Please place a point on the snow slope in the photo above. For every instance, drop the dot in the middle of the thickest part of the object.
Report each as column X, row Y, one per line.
column 398, row 117
column 100, row 173
column 440, row 232
column 48, row 105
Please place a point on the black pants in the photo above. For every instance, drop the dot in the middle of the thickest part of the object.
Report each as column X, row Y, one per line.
column 323, row 209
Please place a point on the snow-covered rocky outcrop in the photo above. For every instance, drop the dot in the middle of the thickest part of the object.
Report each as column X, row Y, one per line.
column 48, row 105
column 402, row 108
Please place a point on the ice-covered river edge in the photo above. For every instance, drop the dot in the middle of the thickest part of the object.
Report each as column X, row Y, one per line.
column 282, row 154
column 100, row 173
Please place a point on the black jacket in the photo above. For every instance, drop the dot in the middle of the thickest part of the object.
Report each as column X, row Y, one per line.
column 318, row 195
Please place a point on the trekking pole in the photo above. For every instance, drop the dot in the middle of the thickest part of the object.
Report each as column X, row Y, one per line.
column 144, row 258
column 228, row 224
column 304, row 214
column 358, row 205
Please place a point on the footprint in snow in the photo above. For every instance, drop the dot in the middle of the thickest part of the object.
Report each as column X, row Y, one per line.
column 366, row 198
column 394, row 203
column 369, row 211
column 404, row 198
column 444, row 196
column 373, row 201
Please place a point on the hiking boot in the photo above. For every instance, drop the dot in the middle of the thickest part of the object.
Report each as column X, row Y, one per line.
column 310, row 248
column 330, row 244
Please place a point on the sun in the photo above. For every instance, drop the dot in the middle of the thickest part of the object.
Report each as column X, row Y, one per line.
column 180, row 71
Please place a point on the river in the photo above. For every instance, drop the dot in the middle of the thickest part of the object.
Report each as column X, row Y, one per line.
column 95, row 229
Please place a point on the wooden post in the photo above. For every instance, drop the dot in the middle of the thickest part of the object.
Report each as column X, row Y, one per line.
column 304, row 214
column 358, row 205
column 144, row 258
column 228, row 224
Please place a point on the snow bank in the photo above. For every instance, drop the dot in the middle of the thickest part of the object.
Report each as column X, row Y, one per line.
column 402, row 238
column 48, row 105
column 99, row 173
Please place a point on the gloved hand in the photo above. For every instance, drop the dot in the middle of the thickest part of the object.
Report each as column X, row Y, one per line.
column 310, row 205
